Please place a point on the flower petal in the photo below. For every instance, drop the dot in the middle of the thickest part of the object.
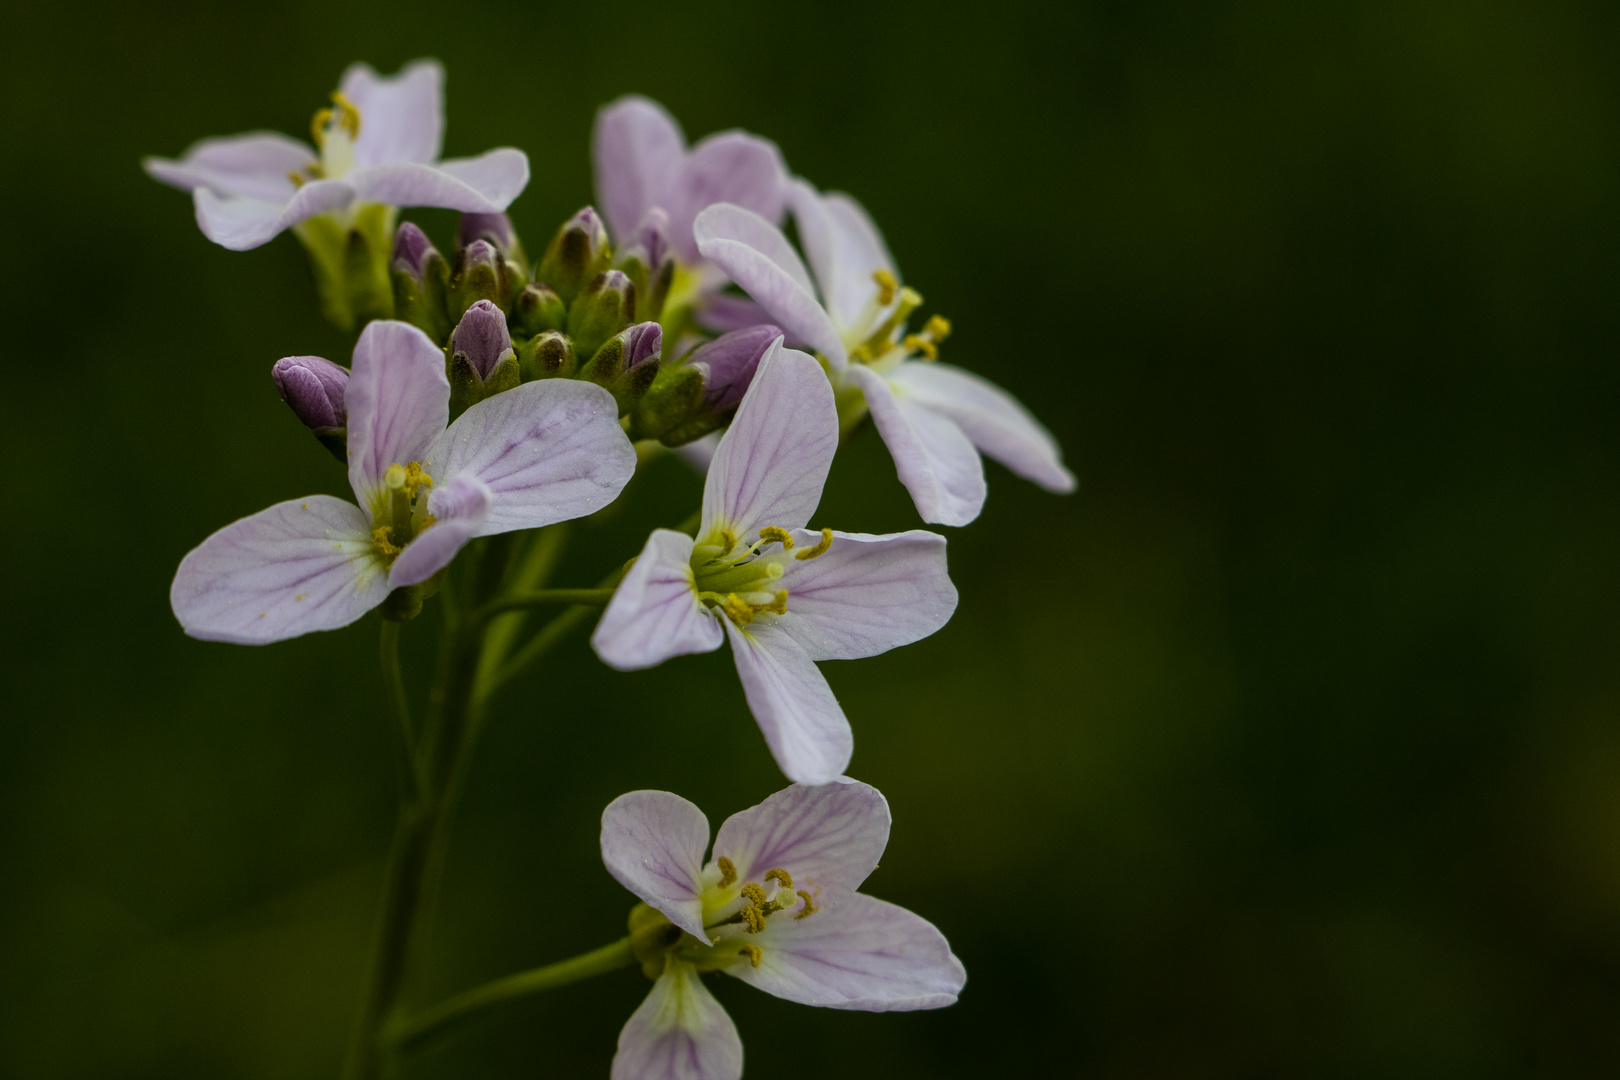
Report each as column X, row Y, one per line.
column 806, row 730
column 653, row 844
column 773, row 460
column 756, row 255
column 636, row 151
column 253, row 166
column 679, row 1033
column 721, row 312
column 729, row 167
column 401, row 116
column 486, row 184
column 398, row 400
column 995, row 421
column 845, row 249
column 549, row 450
column 241, row 223
column 866, row 954
column 829, row 838
column 459, row 509
column 866, row 594
column 654, row 613
column 298, row 567
column 934, row 458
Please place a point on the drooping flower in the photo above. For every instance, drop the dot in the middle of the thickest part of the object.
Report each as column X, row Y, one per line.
column 541, row 453
column 935, row 418
column 775, row 906
column 651, row 188
column 784, row 595
column 378, row 144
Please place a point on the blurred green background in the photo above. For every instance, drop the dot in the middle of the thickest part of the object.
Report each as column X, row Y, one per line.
column 1287, row 746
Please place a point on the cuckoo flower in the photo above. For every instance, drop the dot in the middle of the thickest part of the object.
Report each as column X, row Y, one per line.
column 643, row 166
column 785, row 596
column 776, row 907
column 537, row 454
column 931, row 415
column 378, row 143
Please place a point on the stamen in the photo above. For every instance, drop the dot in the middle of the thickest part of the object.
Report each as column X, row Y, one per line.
column 318, row 125
column 350, row 118
column 754, row 892
column 920, row 344
column 379, row 537
column 778, row 874
column 728, row 537
column 754, row 954
column 938, row 328
column 771, row 533
column 886, row 286
column 820, row 549
column 728, row 871
column 297, row 179
column 754, row 917
column 809, row 906
column 779, row 607
column 741, row 612
column 416, row 477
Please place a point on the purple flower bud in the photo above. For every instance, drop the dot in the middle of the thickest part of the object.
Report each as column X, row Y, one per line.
column 651, row 237
column 412, row 250
column 643, row 341
column 589, row 222
column 481, row 339
column 479, row 253
column 728, row 363
column 576, row 255
column 495, row 228
column 313, row 389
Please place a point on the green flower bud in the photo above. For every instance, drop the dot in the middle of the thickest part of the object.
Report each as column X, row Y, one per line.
column 649, row 262
column 627, row 363
column 481, row 274
column 577, row 254
column 538, row 309
column 421, row 281
column 606, row 306
column 549, row 355
column 350, row 264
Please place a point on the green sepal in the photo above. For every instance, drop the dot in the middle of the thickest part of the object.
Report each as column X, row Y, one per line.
column 607, row 306
column 483, row 281
column 336, row 441
column 405, row 602
column 671, row 405
column 537, row 309
column 422, row 304
column 350, row 264
column 606, row 369
column 467, row 390
column 574, row 257
column 548, row 355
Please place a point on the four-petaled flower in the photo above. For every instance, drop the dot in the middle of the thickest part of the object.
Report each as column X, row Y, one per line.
column 379, row 144
column 537, row 454
column 931, row 415
column 776, row 907
column 784, row 595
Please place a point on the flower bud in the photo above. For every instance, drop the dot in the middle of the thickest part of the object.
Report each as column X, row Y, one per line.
column 350, row 261
column 649, row 261
column 538, row 308
column 496, row 228
column 420, row 277
column 481, row 274
column 700, row 392
column 482, row 360
column 313, row 388
column 627, row 363
column 548, row 355
column 607, row 306
column 577, row 254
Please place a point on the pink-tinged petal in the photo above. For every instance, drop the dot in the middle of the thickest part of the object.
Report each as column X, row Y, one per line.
column 241, row 223
column 828, row 838
column 935, row 460
column 700, row 453
column 845, row 249
column 398, row 400
column 755, row 254
column 721, row 313
column 295, row 568
column 252, row 166
column 401, row 116
column 730, row 167
column 486, row 184
column 991, row 417
column 866, row 594
column 653, row 844
column 803, row 725
column 459, row 510
column 865, row 954
column 679, row 1033
column 654, row 613
column 772, row 461
column 549, row 451
column 636, row 152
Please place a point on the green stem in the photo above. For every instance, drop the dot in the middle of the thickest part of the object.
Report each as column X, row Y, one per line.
column 398, row 703
column 535, row 566
column 540, row 597
column 447, row 1014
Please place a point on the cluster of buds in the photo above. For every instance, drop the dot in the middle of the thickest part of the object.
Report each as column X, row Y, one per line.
column 582, row 311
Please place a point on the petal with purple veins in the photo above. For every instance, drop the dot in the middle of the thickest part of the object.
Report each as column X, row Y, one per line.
column 241, row 223
column 844, row 248
column 636, row 151
column 654, row 613
column 729, row 167
column 934, row 458
column 398, row 400
column 298, row 567
column 459, row 508
column 401, row 115
column 828, row 838
column 866, row 594
column 653, row 844
column 805, row 729
column 486, row 184
column 253, row 166
column 679, row 1033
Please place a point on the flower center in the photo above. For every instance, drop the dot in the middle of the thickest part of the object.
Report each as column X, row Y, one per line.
column 880, row 348
column 404, row 512
column 741, row 580
column 334, row 131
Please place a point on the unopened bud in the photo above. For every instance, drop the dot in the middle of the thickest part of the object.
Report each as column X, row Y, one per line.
column 577, row 254
column 313, row 388
column 606, row 306
column 496, row 228
column 350, row 261
column 549, row 355
column 420, row 277
column 728, row 363
column 627, row 363
column 691, row 398
column 482, row 360
column 538, row 309
column 648, row 260
column 481, row 274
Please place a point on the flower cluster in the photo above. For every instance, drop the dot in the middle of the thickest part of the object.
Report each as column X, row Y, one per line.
column 490, row 397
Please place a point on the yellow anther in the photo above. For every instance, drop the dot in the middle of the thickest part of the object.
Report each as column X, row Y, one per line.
column 921, row 344
column 771, row 533
column 728, row 871
column 820, row 548
column 938, row 328
column 754, row 892
column 728, row 539
column 754, row 954
column 781, row 875
column 317, row 126
column 379, row 537
column 886, row 286
column 741, row 612
column 349, row 117
column 809, row 905
column 779, row 605
column 395, row 477
column 910, row 299
column 416, row 477
column 297, row 179
column 860, row 354
column 754, row 917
